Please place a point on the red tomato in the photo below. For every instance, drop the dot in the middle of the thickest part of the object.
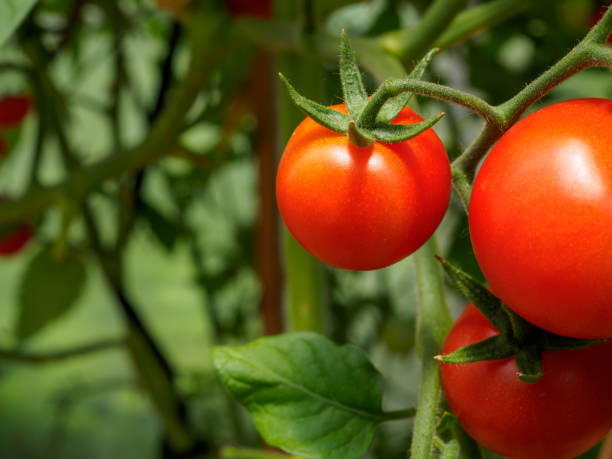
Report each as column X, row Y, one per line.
column 362, row 208
column 561, row 416
column 541, row 218
column 14, row 241
column 257, row 8
column 13, row 109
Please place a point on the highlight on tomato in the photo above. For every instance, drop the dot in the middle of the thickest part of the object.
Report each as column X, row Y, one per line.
column 13, row 109
column 361, row 188
column 565, row 413
column 540, row 217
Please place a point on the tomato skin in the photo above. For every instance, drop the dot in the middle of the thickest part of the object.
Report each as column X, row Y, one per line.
column 13, row 242
column 362, row 208
column 13, row 109
column 540, row 218
column 561, row 416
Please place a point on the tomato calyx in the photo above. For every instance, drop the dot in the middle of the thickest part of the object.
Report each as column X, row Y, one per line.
column 368, row 119
column 517, row 337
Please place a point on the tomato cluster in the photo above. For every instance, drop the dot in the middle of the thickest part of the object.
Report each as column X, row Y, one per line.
column 540, row 216
column 13, row 110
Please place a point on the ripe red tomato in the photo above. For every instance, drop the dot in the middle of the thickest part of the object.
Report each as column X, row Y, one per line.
column 13, row 109
column 12, row 242
column 362, row 208
column 256, row 8
column 562, row 415
column 541, row 216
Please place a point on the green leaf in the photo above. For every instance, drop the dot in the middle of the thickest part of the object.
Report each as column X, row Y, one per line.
column 327, row 117
column 48, row 290
column 493, row 348
column 355, row 95
column 12, row 14
column 394, row 106
column 398, row 132
column 307, row 395
column 485, row 301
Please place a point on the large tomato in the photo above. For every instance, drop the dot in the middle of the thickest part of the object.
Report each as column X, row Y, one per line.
column 362, row 208
column 541, row 218
column 559, row 417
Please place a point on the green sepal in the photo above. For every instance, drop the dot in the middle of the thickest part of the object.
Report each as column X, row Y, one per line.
column 323, row 115
column 357, row 137
column 493, row 348
column 451, row 450
column 391, row 133
column 529, row 363
column 485, row 301
column 552, row 342
column 355, row 96
column 394, row 106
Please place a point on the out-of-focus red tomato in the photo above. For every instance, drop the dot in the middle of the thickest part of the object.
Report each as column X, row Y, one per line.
column 13, row 109
column 256, row 8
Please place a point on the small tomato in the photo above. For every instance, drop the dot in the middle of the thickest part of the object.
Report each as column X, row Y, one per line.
column 362, row 208
column 565, row 413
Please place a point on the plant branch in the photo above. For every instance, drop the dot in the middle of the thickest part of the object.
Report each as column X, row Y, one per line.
column 392, row 88
column 21, row 356
column 433, row 323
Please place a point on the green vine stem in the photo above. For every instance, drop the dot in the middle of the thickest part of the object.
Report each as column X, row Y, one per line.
column 304, row 278
column 413, row 43
column 433, row 323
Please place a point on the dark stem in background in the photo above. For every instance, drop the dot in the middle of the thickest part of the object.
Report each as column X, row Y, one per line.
column 267, row 238
column 39, row 357
column 131, row 197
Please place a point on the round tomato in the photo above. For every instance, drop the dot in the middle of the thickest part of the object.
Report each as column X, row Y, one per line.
column 541, row 216
column 362, row 208
column 12, row 242
column 13, row 109
column 560, row 416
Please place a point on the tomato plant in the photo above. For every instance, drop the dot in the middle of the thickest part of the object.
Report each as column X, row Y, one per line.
column 560, row 416
column 540, row 218
column 362, row 208
column 13, row 109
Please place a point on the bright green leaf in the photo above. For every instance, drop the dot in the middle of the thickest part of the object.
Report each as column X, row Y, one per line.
column 48, row 290
column 307, row 395
column 12, row 13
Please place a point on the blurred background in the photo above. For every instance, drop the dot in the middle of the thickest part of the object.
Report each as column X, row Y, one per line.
column 144, row 160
